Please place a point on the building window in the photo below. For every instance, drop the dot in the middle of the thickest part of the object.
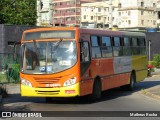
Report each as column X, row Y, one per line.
column 91, row 17
column 73, row 18
column 119, row 13
column 142, row 12
column 68, row 19
column 68, row 3
column 154, row 4
column 78, row 10
column 129, row 13
column 154, row 13
column 99, row 17
column 119, row 5
column 99, row 9
column 154, row 22
column 61, row 3
column 84, row 17
column 142, row 22
column 142, row 4
column 129, row 22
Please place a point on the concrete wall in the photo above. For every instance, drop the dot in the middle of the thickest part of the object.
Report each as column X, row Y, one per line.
column 155, row 42
column 9, row 34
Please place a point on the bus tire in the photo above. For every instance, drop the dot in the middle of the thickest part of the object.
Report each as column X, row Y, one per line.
column 132, row 83
column 48, row 99
column 97, row 90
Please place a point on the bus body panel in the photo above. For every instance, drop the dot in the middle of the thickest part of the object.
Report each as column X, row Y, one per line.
column 139, row 64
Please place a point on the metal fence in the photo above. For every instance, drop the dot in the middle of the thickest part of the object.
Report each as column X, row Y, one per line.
column 9, row 69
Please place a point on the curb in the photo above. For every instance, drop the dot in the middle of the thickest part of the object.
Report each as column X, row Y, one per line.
column 149, row 94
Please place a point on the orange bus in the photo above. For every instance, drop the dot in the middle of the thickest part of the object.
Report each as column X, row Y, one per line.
column 70, row 61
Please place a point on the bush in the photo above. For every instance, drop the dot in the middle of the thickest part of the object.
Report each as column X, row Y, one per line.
column 156, row 59
column 13, row 72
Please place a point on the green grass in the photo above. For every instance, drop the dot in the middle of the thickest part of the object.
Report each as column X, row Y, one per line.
column 3, row 78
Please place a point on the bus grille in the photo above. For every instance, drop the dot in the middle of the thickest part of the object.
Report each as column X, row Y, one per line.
column 47, row 80
column 55, row 92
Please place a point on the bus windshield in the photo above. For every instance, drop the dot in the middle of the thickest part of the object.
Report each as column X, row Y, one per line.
column 48, row 57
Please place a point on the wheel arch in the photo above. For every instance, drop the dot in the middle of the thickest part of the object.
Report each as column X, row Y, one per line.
column 97, row 79
column 134, row 73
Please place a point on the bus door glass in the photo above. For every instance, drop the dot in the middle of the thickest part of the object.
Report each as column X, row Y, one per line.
column 85, row 57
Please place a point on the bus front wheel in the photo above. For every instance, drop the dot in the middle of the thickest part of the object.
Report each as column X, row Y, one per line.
column 97, row 90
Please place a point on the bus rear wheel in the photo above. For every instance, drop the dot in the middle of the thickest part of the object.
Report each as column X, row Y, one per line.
column 131, row 85
column 97, row 90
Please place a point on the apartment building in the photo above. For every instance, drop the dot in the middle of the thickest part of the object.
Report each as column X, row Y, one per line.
column 44, row 12
column 137, row 14
column 59, row 12
column 98, row 14
column 126, row 14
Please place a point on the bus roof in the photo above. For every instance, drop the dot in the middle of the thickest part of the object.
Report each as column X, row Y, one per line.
column 90, row 31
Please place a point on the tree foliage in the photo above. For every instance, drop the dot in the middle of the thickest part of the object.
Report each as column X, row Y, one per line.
column 156, row 59
column 19, row 12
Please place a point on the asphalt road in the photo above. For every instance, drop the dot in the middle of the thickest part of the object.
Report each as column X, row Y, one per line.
column 112, row 100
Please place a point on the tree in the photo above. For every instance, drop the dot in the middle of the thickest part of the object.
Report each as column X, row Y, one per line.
column 19, row 12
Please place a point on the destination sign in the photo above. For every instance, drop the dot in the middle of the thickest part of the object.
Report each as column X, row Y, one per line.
column 49, row 34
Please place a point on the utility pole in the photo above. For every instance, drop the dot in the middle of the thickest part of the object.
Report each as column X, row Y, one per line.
column 110, row 14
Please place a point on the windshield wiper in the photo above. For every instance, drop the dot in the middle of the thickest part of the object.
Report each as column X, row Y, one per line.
column 57, row 45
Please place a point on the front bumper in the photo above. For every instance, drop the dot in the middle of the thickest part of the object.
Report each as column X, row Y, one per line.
column 69, row 91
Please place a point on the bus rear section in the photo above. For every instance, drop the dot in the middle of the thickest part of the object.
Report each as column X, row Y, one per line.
column 115, row 59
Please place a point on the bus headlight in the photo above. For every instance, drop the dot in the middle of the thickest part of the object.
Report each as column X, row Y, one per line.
column 70, row 82
column 26, row 82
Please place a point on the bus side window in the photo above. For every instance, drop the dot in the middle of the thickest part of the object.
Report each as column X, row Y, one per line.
column 127, row 46
column 141, row 42
column 117, row 48
column 95, row 43
column 106, row 47
column 135, row 46
column 85, row 57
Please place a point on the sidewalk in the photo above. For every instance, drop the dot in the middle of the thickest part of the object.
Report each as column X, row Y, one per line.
column 154, row 91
